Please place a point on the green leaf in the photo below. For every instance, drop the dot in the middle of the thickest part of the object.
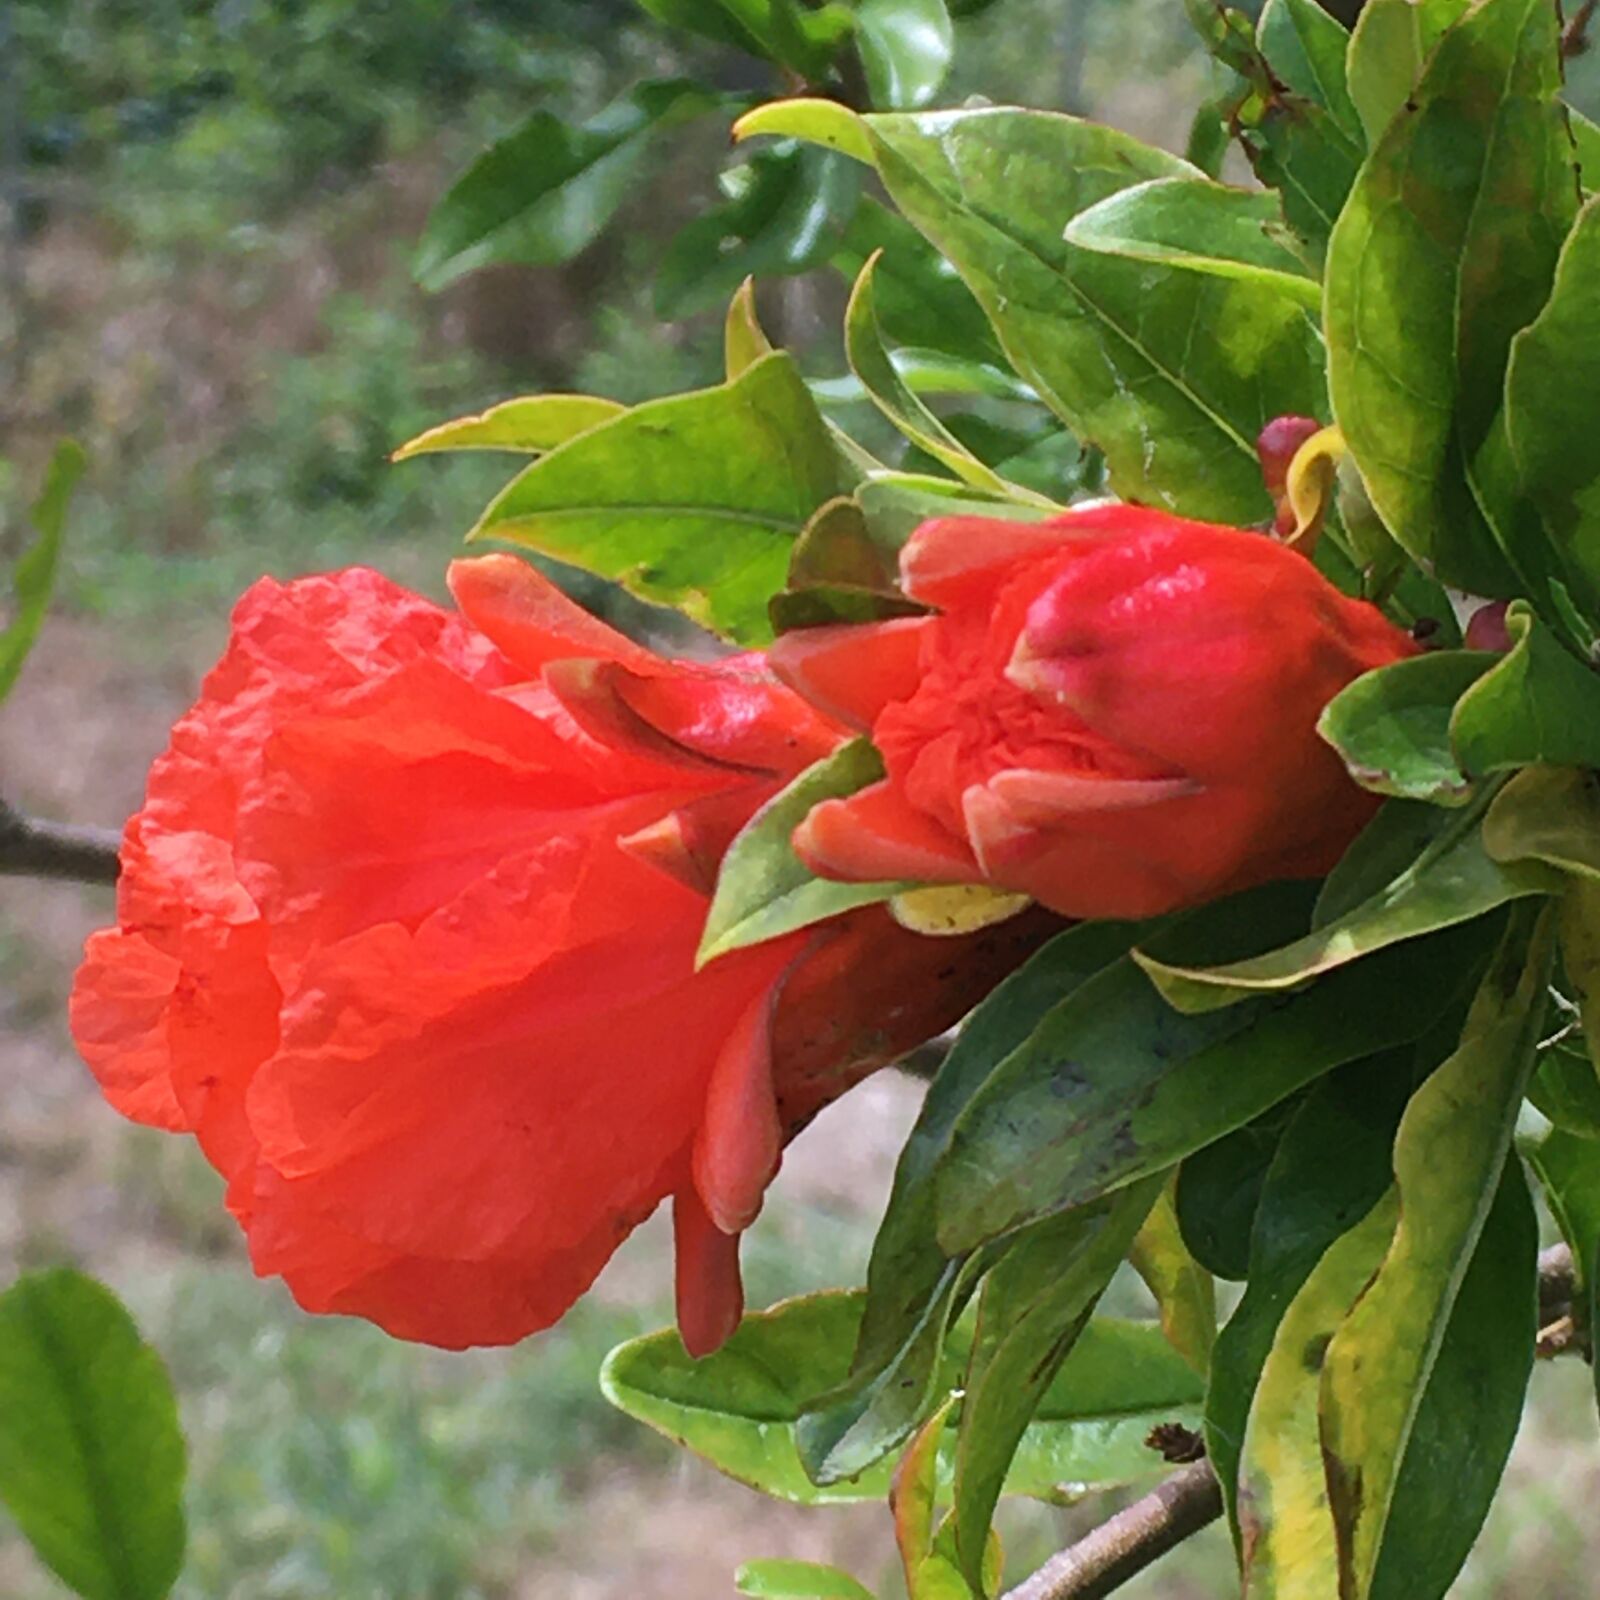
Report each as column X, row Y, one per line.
column 34, row 578
column 529, row 425
column 1286, row 1535
column 1586, row 137
column 797, row 1580
column 694, row 500
column 1034, row 1306
column 1328, row 1172
column 1392, row 726
column 823, row 122
column 774, row 29
column 744, row 340
column 546, row 190
column 1201, row 227
column 763, row 888
column 1108, row 344
column 920, row 298
column 1538, row 703
column 1185, row 1295
column 1580, row 955
column 787, row 216
column 1306, row 49
column 870, row 360
column 1448, row 1158
column 911, row 1285
column 739, row 1408
column 1568, row 1169
column 1467, row 1420
column 1566, row 1088
column 1554, row 364
column 1219, row 1189
column 906, row 48
column 1445, row 249
column 91, row 1459
column 1454, row 880
column 1547, row 814
column 896, row 504
column 1113, row 1084
column 1392, row 40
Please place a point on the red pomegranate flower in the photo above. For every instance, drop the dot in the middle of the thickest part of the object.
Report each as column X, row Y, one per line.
column 1113, row 711
column 405, row 937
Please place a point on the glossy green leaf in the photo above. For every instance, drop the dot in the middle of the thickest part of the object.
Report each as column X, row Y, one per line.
column 1586, row 138
column 1392, row 726
column 1203, row 227
column 33, row 579
column 778, row 30
column 1184, row 1293
column 91, row 1459
column 694, row 500
column 1446, row 247
column 1306, row 49
column 1538, row 703
column 797, row 1580
column 1219, row 1189
column 1449, row 1154
column 911, row 1285
column 1108, row 344
column 546, row 190
column 1454, row 880
column 739, row 1408
column 919, row 296
column 1554, row 366
column 1391, row 42
column 906, row 48
column 529, row 425
column 1547, row 814
column 1328, row 1172
column 1114, row 1084
column 1035, row 1304
column 1384, row 850
column 788, row 212
column 871, row 362
column 763, row 888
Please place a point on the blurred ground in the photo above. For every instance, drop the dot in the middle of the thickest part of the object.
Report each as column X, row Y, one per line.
column 239, row 352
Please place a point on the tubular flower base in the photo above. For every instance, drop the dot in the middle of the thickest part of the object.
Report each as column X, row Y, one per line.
column 1113, row 711
column 405, row 937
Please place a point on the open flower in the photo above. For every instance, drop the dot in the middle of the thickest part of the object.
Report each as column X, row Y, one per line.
column 1113, row 711
column 405, row 937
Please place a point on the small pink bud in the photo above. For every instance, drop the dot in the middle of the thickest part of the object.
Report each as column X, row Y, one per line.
column 1487, row 628
column 1276, row 445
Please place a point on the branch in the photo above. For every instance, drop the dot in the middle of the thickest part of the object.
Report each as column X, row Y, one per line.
column 1575, row 37
column 1104, row 1560
column 35, row 849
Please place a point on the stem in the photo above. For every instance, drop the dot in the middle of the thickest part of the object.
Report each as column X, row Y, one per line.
column 35, row 849
column 1104, row 1560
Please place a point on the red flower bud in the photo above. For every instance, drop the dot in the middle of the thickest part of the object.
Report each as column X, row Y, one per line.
column 1114, row 712
column 1486, row 628
column 1277, row 445
column 406, row 930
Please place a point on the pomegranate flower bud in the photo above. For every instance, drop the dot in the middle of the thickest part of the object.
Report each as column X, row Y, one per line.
column 1113, row 712
column 1486, row 628
column 1276, row 447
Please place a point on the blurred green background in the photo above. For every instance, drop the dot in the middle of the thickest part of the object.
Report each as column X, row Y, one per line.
column 206, row 277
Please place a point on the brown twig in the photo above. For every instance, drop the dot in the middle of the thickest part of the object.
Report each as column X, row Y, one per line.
column 1120, row 1549
column 36, row 849
column 1575, row 36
